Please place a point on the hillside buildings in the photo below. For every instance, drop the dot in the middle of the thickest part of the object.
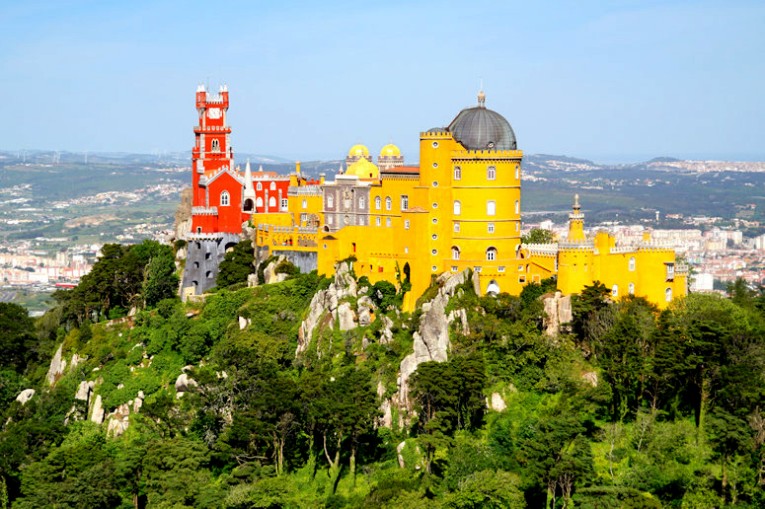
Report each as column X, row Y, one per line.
column 460, row 208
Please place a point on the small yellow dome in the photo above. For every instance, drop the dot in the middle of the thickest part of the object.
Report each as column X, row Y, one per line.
column 358, row 150
column 363, row 169
column 390, row 150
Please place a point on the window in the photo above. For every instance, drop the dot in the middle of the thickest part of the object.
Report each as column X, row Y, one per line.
column 435, row 183
column 517, row 207
column 455, row 253
column 455, row 268
column 259, row 202
column 456, row 227
column 434, row 237
column 272, row 202
column 668, row 294
column 435, row 205
column 435, row 165
column 501, row 268
column 225, row 199
column 435, row 144
column 272, row 187
column 615, row 291
column 304, row 204
column 434, row 268
column 377, row 221
column 491, row 208
column 330, row 219
column 434, row 252
column 285, row 204
column 404, row 202
column 330, row 201
column 631, row 289
column 457, row 208
column 362, row 203
column 378, row 202
column 434, row 220
column 517, row 226
column 517, row 171
column 632, row 263
column 490, row 228
column 215, row 146
column 387, row 222
column 259, row 187
column 491, row 173
column 457, row 173
column 360, row 220
column 670, row 272
column 406, row 224
column 491, row 254
column 388, row 203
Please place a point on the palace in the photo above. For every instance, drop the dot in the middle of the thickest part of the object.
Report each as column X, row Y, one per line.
column 459, row 209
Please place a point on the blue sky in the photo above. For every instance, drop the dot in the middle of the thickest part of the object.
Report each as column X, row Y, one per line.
column 605, row 80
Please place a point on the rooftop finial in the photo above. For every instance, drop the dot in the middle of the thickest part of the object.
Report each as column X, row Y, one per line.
column 576, row 202
column 481, row 96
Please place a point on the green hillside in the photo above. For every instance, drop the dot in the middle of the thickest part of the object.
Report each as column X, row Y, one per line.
column 237, row 403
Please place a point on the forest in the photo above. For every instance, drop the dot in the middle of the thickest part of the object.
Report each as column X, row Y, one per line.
column 218, row 404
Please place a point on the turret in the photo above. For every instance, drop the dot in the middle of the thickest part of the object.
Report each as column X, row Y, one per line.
column 576, row 223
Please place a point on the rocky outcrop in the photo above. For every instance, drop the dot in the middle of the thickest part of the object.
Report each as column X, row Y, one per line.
column 57, row 366
column 269, row 272
column 97, row 414
column 591, row 378
column 386, row 332
column 25, row 395
column 183, row 383
column 118, row 421
column 431, row 340
column 557, row 313
column 496, row 402
column 335, row 305
column 84, row 391
column 346, row 318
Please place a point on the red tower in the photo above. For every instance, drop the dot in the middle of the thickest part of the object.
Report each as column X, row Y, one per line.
column 217, row 185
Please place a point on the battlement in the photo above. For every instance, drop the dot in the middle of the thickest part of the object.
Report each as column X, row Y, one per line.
column 204, row 211
column 541, row 249
column 309, row 190
column 468, row 155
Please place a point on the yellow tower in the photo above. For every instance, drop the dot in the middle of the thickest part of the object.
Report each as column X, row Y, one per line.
column 575, row 255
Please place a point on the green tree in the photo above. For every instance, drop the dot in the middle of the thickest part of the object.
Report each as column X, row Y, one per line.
column 236, row 265
column 538, row 236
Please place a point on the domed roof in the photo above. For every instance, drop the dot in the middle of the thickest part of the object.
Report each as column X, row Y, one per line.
column 363, row 169
column 390, row 150
column 358, row 150
column 478, row 128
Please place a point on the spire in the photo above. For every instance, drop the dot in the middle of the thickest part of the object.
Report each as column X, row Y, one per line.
column 249, row 191
column 576, row 203
column 481, row 98
column 260, row 168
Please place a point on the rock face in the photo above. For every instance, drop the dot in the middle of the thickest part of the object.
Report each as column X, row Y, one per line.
column 558, row 313
column 497, row 403
column 25, row 395
column 97, row 415
column 183, row 383
column 335, row 305
column 57, row 366
column 269, row 273
column 431, row 340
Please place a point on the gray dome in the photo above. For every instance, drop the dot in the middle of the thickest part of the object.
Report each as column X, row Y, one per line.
column 478, row 128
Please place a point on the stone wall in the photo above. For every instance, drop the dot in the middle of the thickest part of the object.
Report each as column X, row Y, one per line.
column 202, row 263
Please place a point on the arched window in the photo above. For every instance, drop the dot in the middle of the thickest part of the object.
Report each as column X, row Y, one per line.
column 631, row 289
column 259, row 187
column 272, row 202
column 273, row 186
column 455, row 253
column 491, row 173
column 668, row 294
column 259, row 202
column 517, row 171
column 517, row 207
column 632, row 263
column 215, row 146
column 388, row 203
column 362, row 203
column 247, row 205
column 378, row 202
column 491, row 208
column 615, row 291
column 330, row 200
column 457, row 173
column 225, row 199
column 491, row 254
column 457, row 208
